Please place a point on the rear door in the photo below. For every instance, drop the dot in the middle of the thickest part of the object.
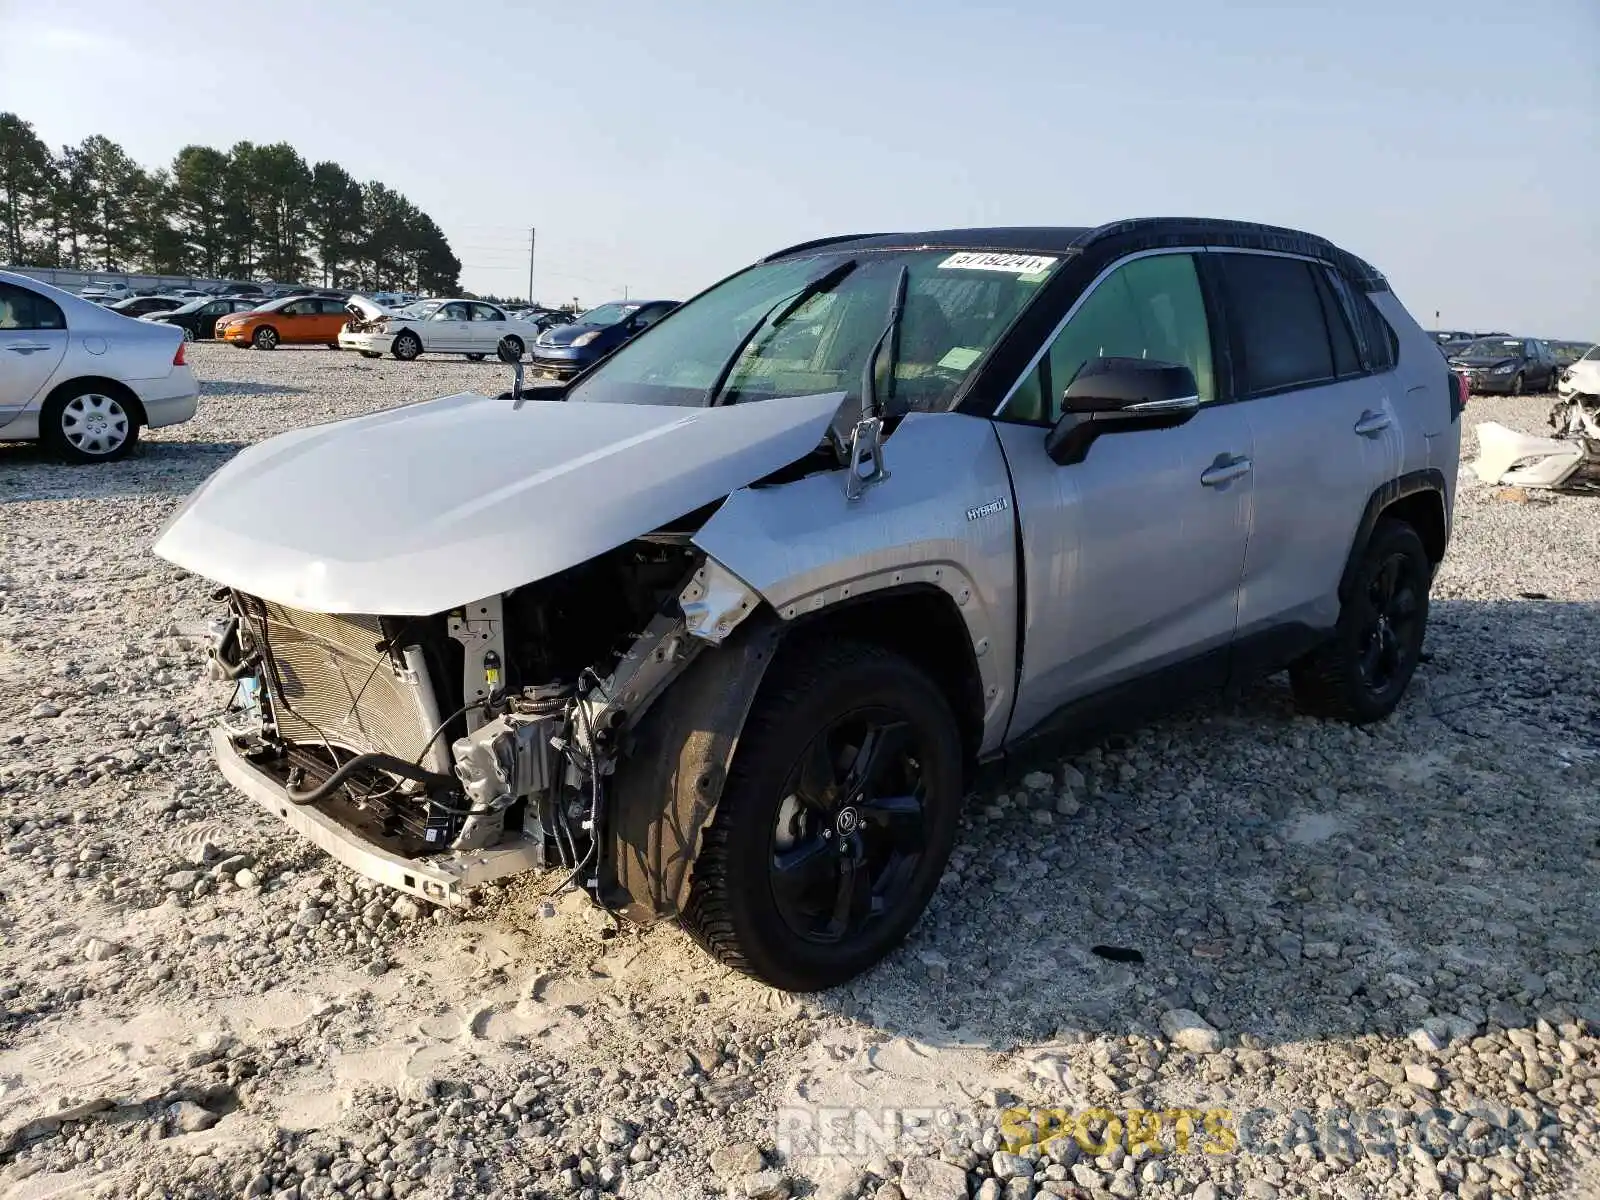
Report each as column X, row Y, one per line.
column 33, row 341
column 1132, row 557
column 487, row 327
column 1314, row 364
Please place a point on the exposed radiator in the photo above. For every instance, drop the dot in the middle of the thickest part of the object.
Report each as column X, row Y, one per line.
column 329, row 682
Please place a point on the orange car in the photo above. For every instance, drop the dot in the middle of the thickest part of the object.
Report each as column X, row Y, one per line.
column 290, row 321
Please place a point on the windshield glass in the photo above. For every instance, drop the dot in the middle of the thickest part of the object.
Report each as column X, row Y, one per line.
column 190, row 306
column 958, row 303
column 1593, row 355
column 607, row 314
column 1491, row 348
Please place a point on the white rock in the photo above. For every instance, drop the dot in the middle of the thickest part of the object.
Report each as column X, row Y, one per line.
column 933, row 1179
column 1190, row 1031
column 99, row 949
column 1423, row 1076
column 43, row 711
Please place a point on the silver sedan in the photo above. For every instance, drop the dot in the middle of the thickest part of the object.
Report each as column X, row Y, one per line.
column 83, row 379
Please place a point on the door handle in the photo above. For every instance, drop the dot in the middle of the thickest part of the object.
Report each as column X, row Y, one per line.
column 1372, row 422
column 25, row 349
column 1225, row 472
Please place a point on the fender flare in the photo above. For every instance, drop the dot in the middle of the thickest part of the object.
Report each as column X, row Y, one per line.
column 665, row 789
column 1429, row 479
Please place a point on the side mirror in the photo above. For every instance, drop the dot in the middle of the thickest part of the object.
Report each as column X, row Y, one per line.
column 1120, row 395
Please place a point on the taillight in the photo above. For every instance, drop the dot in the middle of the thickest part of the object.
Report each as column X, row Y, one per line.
column 177, row 359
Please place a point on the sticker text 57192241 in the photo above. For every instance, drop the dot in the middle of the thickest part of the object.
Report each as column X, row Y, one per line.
column 1011, row 264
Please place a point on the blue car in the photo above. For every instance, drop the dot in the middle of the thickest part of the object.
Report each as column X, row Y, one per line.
column 562, row 352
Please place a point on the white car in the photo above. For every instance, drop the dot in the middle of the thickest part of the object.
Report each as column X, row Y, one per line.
column 83, row 379
column 468, row 327
column 1581, row 378
column 102, row 292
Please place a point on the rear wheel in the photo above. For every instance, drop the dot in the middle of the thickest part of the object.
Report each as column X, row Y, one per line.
column 836, row 820
column 188, row 334
column 87, row 423
column 1361, row 673
column 266, row 338
column 407, row 346
column 476, row 357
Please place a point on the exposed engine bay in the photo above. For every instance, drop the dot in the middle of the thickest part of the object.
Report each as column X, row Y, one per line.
column 492, row 724
column 1570, row 459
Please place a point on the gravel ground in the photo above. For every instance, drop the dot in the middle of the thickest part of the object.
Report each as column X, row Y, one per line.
column 1375, row 949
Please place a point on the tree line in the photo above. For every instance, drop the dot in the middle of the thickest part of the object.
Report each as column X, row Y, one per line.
column 248, row 212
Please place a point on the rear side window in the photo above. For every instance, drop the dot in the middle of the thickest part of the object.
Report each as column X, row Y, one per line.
column 1375, row 341
column 331, row 308
column 22, row 309
column 1346, row 358
column 1277, row 321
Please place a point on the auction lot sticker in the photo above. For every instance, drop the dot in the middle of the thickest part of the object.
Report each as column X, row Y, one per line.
column 1025, row 265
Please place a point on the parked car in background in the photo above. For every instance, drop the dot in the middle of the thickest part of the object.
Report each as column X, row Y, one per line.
column 1450, row 340
column 83, row 379
column 1506, row 365
column 1073, row 511
column 564, row 350
column 543, row 318
column 198, row 318
column 143, row 306
column 101, row 291
column 289, row 321
column 470, row 327
column 1567, row 353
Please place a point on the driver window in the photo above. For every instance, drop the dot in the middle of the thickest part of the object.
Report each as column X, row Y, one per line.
column 1148, row 308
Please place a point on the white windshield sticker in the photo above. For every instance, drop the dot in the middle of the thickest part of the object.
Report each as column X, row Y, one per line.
column 959, row 358
column 1011, row 264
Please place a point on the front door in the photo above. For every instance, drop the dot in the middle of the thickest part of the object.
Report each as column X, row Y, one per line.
column 487, row 327
column 448, row 328
column 33, row 339
column 1132, row 557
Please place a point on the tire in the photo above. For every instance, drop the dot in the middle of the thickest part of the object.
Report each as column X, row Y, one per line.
column 407, row 346
column 513, row 342
column 370, row 354
column 333, row 345
column 804, row 736
column 188, row 334
column 265, row 338
column 1517, row 384
column 89, row 423
column 476, row 357
column 1360, row 674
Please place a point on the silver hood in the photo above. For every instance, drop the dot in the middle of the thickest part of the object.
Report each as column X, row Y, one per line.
column 427, row 507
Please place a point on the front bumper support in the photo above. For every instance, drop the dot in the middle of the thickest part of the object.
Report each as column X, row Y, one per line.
column 439, row 879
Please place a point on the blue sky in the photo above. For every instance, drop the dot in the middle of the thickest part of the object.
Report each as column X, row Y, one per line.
column 658, row 146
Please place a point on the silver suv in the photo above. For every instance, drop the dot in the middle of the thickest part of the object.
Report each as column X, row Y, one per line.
column 725, row 627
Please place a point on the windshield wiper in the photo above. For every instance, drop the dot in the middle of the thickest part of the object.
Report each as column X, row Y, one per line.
column 788, row 305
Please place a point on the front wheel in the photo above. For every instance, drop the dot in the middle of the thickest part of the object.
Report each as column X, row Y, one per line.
column 266, row 338
column 407, row 346
column 1517, row 385
column 836, row 820
column 1360, row 674
column 370, row 354
column 510, row 344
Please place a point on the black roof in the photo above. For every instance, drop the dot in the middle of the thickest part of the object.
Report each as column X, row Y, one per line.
column 1124, row 236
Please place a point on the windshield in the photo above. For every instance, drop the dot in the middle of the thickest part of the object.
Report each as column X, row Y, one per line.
column 1593, row 355
column 1491, row 348
column 192, row 305
column 607, row 314
column 958, row 303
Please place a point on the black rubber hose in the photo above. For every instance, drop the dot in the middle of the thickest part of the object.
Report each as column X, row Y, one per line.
column 385, row 762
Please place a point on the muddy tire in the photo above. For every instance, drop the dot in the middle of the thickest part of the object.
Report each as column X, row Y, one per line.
column 407, row 346
column 836, row 820
column 1360, row 674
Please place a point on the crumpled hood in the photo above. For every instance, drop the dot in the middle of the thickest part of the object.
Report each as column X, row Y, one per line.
column 427, row 507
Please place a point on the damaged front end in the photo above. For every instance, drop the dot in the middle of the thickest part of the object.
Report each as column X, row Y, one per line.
column 1570, row 459
column 438, row 753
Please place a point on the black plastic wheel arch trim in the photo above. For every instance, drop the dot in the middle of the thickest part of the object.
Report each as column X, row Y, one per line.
column 1428, row 479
